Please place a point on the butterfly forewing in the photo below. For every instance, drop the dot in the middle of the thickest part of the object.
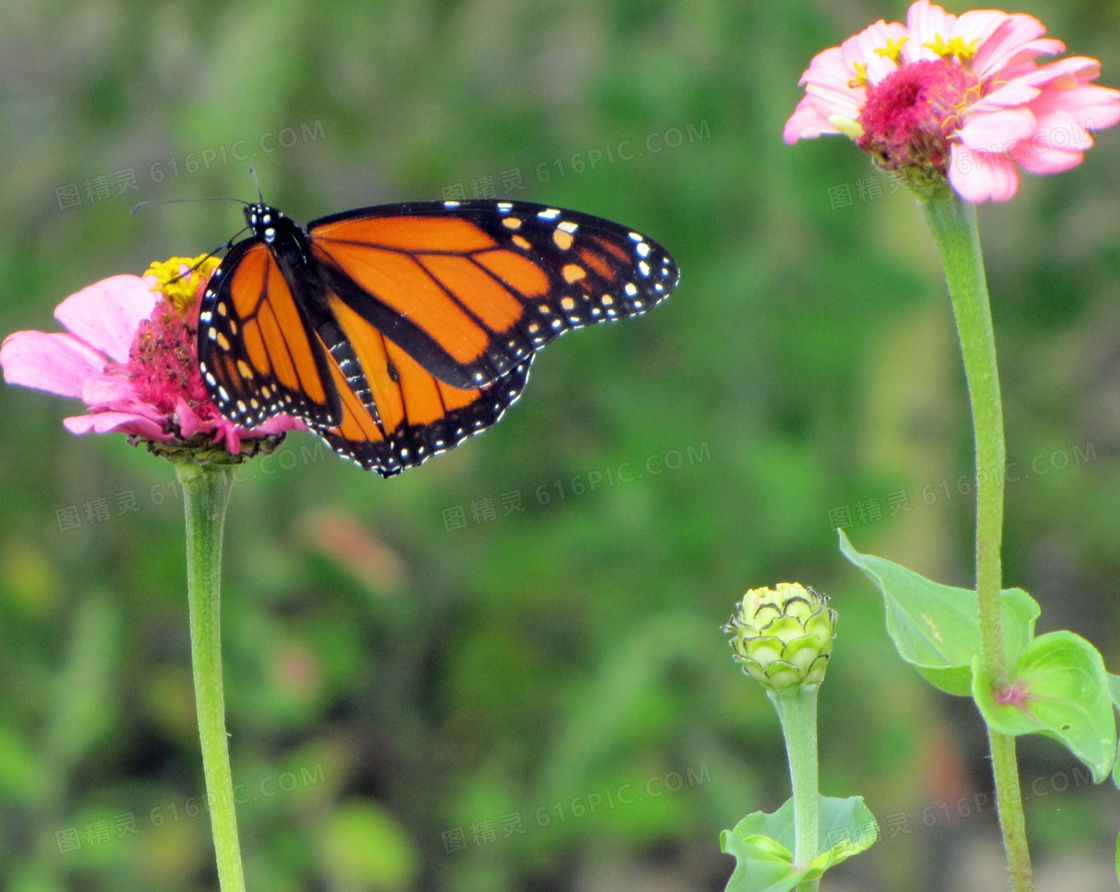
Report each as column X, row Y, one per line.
column 470, row 289
column 256, row 350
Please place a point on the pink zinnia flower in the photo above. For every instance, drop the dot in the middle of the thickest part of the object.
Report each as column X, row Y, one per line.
column 130, row 353
column 957, row 98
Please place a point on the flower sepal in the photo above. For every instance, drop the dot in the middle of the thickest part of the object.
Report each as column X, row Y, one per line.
column 202, row 450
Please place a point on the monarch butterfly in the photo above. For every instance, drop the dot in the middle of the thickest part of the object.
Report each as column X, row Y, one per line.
column 397, row 331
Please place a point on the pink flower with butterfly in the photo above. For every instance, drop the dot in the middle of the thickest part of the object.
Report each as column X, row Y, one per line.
column 130, row 353
column 960, row 99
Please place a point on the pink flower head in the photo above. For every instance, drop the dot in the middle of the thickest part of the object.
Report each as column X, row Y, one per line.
column 958, row 99
column 130, row 353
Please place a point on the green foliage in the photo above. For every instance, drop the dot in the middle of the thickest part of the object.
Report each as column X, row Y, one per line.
column 763, row 844
column 522, row 665
column 936, row 627
column 1061, row 682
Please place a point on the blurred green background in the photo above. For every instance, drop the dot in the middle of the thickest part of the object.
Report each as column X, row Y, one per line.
column 504, row 670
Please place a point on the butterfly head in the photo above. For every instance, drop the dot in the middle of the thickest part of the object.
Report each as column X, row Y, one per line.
column 265, row 221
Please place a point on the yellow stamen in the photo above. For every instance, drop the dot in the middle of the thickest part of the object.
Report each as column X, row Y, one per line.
column 893, row 49
column 179, row 277
column 955, row 47
column 860, row 80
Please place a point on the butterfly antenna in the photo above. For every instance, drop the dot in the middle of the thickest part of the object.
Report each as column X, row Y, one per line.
column 257, row 183
column 182, row 201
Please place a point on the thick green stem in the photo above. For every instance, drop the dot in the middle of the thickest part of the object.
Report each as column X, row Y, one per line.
column 205, row 495
column 953, row 224
column 797, row 712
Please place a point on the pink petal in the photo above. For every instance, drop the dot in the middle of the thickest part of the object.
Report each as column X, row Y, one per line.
column 107, row 314
column 1006, row 41
column 1015, row 62
column 924, row 21
column 827, row 65
column 231, row 433
column 993, row 27
column 806, row 123
column 187, row 418
column 997, row 131
column 829, row 78
column 116, row 422
column 1015, row 92
column 1049, row 161
column 57, row 363
column 1064, row 73
column 1089, row 107
column 277, row 424
column 113, row 391
column 981, row 176
column 862, row 47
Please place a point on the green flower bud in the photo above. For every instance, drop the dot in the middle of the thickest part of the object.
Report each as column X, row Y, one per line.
column 782, row 637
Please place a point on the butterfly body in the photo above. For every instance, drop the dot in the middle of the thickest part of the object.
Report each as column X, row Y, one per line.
column 397, row 331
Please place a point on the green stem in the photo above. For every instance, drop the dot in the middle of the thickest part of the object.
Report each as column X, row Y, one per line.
column 953, row 224
column 797, row 712
column 205, row 495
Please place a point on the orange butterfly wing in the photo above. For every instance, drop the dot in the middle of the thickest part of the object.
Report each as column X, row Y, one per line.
column 471, row 289
column 408, row 415
column 258, row 352
column 398, row 331
column 262, row 355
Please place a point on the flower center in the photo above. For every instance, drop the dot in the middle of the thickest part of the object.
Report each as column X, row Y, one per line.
column 163, row 359
column 910, row 116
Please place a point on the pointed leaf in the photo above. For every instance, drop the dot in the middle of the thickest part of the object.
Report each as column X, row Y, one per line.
column 763, row 844
column 935, row 627
column 1114, row 689
column 1061, row 690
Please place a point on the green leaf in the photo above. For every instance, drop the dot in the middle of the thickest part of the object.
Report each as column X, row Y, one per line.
column 1060, row 689
column 1114, row 694
column 1114, row 689
column 936, row 628
column 763, row 844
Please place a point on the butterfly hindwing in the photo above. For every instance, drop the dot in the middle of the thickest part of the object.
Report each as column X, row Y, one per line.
column 406, row 414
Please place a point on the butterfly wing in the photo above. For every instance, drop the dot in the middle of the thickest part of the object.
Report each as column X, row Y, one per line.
column 471, row 289
column 397, row 414
column 257, row 349
column 398, row 331
column 261, row 353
